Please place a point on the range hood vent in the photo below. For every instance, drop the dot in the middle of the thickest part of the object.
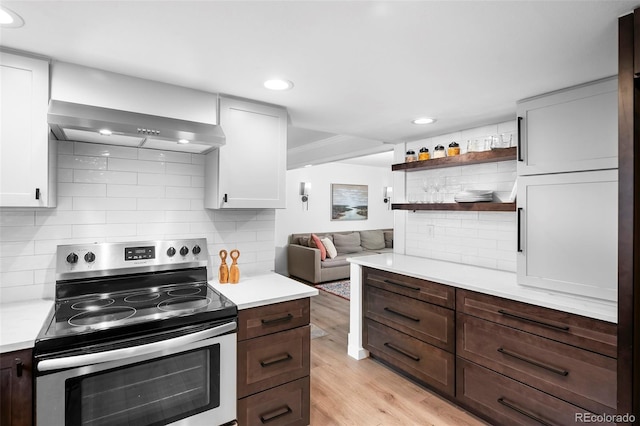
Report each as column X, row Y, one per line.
column 86, row 123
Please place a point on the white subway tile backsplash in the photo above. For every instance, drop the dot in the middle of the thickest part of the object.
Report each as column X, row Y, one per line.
column 157, row 155
column 109, row 193
column 79, row 162
column 104, row 176
column 82, row 189
column 100, row 150
column 140, row 166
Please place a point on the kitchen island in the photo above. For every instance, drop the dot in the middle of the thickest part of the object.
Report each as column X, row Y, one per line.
column 507, row 353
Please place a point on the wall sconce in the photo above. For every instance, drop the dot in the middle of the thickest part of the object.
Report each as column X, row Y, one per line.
column 387, row 191
column 305, row 188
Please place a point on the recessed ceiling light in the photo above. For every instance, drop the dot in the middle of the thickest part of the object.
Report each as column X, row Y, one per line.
column 278, row 84
column 10, row 19
column 105, row 132
column 424, row 120
column 183, row 141
column 308, row 165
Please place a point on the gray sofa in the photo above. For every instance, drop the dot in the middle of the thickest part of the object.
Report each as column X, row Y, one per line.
column 304, row 257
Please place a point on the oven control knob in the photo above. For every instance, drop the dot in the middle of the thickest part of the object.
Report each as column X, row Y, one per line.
column 196, row 250
column 89, row 257
column 72, row 258
column 184, row 251
column 171, row 251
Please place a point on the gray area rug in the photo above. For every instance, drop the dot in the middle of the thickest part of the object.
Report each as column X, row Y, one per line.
column 317, row 331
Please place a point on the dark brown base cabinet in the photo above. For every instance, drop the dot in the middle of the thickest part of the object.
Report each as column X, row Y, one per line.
column 16, row 388
column 274, row 364
column 508, row 362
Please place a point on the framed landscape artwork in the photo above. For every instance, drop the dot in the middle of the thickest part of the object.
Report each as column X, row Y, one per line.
column 349, row 202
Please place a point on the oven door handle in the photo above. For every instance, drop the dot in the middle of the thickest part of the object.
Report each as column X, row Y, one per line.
column 134, row 351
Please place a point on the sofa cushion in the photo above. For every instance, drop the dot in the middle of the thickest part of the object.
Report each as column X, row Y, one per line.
column 328, row 245
column 347, row 243
column 316, row 243
column 388, row 239
column 372, row 240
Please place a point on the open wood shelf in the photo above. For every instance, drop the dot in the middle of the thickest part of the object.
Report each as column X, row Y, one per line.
column 470, row 207
column 504, row 154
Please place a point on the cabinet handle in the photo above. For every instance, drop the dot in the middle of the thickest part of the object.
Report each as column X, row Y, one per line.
column 224, row 199
column 544, row 324
column 277, row 360
column 519, row 139
column 519, row 230
column 19, row 367
column 402, row 285
column 283, row 411
column 522, row 411
column 288, row 317
column 547, row 367
column 37, row 193
column 402, row 351
column 400, row 314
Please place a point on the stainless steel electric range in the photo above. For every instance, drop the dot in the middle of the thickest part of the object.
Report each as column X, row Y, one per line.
column 136, row 337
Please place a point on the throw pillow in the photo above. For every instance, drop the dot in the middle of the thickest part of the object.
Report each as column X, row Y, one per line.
column 388, row 239
column 372, row 240
column 304, row 241
column 347, row 243
column 331, row 249
column 319, row 246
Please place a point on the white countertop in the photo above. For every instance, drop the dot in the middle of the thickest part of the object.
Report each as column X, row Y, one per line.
column 264, row 289
column 489, row 281
column 20, row 323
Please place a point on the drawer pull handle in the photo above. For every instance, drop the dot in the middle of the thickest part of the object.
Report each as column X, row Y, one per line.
column 402, row 351
column 547, row 367
column 400, row 314
column 521, row 411
column 288, row 317
column 402, row 285
column 275, row 414
column 19, row 366
column 544, row 324
column 277, row 360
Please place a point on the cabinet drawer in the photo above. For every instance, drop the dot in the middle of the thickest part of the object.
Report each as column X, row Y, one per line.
column 429, row 323
column 288, row 404
column 508, row 402
column 581, row 377
column 268, row 319
column 416, row 288
column 429, row 364
column 587, row 333
column 272, row 360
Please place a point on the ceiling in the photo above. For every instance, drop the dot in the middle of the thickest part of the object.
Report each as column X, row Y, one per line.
column 362, row 69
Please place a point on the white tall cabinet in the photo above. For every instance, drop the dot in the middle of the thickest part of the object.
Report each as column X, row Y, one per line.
column 249, row 171
column 27, row 157
column 567, row 202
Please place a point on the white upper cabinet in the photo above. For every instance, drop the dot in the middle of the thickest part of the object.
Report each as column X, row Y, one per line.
column 27, row 157
column 249, row 171
column 568, row 233
column 570, row 130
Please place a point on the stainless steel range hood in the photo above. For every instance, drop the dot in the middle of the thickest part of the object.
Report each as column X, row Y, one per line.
column 86, row 123
column 131, row 111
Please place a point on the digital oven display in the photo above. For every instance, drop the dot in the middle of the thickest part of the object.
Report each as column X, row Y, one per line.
column 138, row 253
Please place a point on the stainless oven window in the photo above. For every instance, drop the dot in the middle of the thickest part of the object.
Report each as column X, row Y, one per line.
column 154, row 392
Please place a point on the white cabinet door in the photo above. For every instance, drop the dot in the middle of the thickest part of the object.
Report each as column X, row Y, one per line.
column 570, row 130
column 26, row 173
column 249, row 171
column 568, row 233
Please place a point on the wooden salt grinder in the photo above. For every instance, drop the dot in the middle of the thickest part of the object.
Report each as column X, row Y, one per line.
column 234, row 273
column 223, row 273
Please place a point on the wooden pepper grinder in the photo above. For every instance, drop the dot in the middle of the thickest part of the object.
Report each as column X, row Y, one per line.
column 223, row 273
column 234, row 272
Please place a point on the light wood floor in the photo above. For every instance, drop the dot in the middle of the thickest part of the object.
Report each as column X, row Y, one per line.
column 345, row 391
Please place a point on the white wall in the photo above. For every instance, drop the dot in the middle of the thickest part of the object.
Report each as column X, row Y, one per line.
column 485, row 239
column 108, row 193
column 297, row 219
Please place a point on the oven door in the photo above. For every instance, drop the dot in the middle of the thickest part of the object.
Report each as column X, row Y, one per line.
column 185, row 380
